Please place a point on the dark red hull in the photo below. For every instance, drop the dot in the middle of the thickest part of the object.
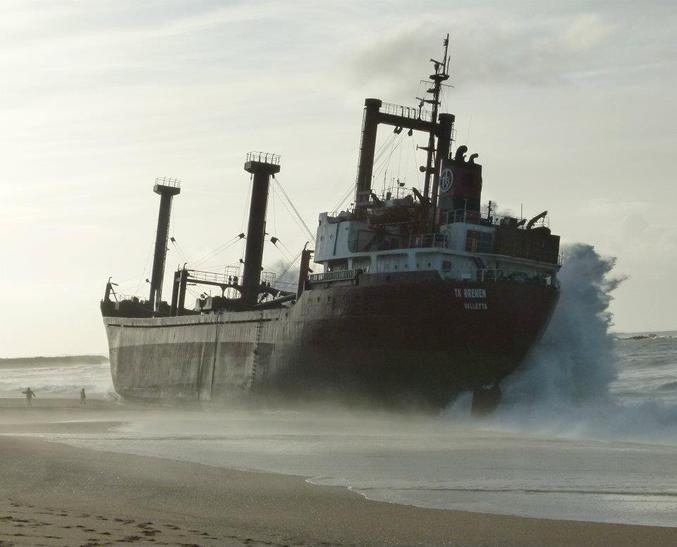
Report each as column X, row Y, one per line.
column 398, row 339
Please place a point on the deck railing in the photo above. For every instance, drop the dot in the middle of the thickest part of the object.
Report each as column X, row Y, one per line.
column 212, row 277
column 488, row 274
column 464, row 216
column 411, row 112
column 336, row 275
column 264, row 157
column 422, row 241
column 168, row 181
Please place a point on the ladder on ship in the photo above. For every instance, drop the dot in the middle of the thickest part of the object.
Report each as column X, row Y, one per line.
column 255, row 359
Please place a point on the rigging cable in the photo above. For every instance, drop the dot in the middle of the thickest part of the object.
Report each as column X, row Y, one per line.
column 282, row 251
column 351, row 186
column 244, row 218
column 386, row 161
column 416, row 169
column 291, row 214
column 217, row 250
column 345, row 199
column 384, row 147
column 284, row 193
column 146, row 269
column 346, row 195
column 274, row 212
column 178, row 249
column 286, row 270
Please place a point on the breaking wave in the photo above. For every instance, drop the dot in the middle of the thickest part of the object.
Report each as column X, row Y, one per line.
column 575, row 362
column 565, row 387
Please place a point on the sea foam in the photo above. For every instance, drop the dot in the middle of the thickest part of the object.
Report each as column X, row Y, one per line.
column 565, row 386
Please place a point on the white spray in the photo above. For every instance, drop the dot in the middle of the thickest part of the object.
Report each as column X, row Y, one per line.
column 575, row 360
column 564, row 387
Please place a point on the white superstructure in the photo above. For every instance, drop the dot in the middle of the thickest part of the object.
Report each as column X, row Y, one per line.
column 460, row 250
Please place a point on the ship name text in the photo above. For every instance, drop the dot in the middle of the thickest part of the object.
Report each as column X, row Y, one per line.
column 470, row 293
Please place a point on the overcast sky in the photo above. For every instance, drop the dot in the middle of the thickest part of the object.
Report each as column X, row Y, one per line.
column 571, row 107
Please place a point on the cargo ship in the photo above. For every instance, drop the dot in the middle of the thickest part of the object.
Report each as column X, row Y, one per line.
column 420, row 294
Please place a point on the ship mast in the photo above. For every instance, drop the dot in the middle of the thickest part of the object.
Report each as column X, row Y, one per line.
column 441, row 75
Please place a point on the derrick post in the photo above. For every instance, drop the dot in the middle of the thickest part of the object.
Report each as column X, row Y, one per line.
column 444, row 131
column 367, row 149
column 175, row 293
column 109, row 290
column 167, row 188
column 304, row 270
column 261, row 166
column 182, row 282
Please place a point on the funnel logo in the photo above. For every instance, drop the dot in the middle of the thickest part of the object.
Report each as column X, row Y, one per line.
column 446, row 179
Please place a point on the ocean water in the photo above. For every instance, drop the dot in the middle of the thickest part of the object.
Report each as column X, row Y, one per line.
column 57, row 378
column 586, row 430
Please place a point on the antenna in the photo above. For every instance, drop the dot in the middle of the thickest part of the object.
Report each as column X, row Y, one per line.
column 437, row 79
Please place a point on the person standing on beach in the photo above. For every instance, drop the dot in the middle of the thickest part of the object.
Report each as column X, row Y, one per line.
column 30, row 395
column 83, row 397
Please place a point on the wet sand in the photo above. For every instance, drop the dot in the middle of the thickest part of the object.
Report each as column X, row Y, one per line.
column 54, row 494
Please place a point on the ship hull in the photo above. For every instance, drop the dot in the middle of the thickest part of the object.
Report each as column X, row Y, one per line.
column 400, row 341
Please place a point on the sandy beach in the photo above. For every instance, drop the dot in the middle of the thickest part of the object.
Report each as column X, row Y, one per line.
column 54, row 494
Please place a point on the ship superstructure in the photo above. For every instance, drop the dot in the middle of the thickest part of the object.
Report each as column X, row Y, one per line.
column 423, row 294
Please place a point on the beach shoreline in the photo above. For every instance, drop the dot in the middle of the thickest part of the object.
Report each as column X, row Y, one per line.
column 55, row 494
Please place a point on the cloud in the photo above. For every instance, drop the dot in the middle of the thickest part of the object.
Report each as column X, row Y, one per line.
column 487, row 46
column 585, row 32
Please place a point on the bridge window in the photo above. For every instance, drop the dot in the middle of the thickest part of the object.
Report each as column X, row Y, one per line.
column 361, row 263
column 479, row 242
column 336, row 265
